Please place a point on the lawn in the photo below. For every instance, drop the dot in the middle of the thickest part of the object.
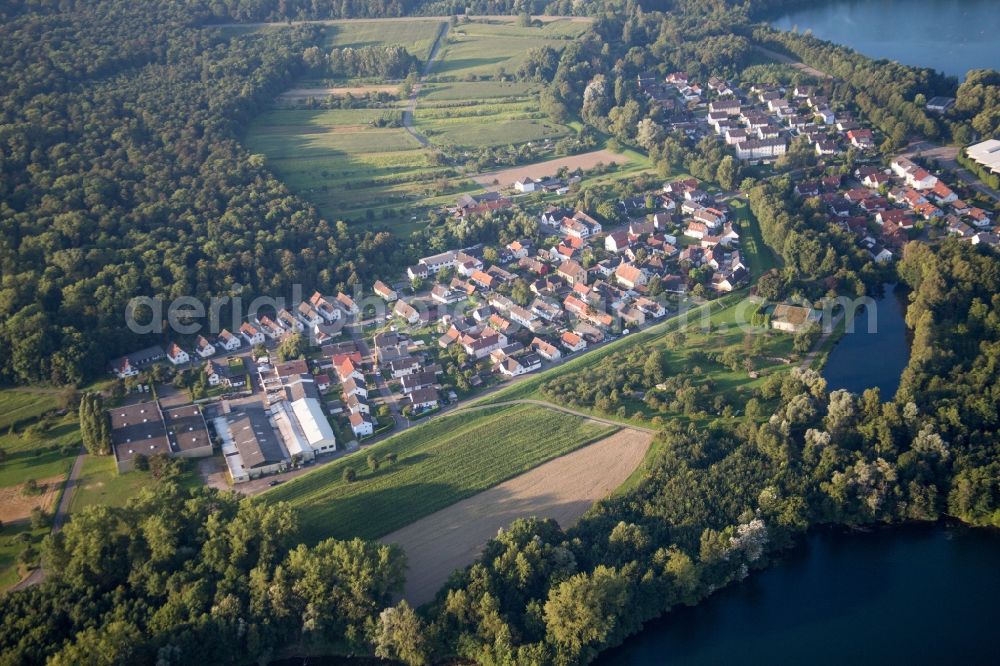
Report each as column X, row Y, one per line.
column 759, row 255
column 101, row 484
column 439, row 463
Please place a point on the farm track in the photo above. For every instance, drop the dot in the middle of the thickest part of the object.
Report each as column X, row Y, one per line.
column 38, row 575
column 411, row 107
column 555, row 408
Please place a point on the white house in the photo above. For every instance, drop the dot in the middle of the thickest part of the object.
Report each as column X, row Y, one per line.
column 384, row 291
column 324, row 308
column 307, row 315
column 760, row 149
column 572, row 341
column 406, row 312
column 546, row 350
column 423, row 398
column 289, row 322
column 251, row 334
column 347, row 303
column 616, row 241
column 353, row 386
column 362, row 425
column 524, row 185
column 176, row 355
column 402, row 367
column 204, row 348
column 356, row 404
column 216, row 373
column 126, row 369
column 228, row 341
column 516, row 366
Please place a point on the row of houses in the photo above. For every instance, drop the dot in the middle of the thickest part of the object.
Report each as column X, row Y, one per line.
column 314, row 316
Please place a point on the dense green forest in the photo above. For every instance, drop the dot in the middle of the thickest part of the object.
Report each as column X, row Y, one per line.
column 121, row 173
column 180, row 578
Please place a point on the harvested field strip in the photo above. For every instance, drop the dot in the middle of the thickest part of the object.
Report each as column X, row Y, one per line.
column 338, row 91
column 435, row 93
column 562, row 489
column 548, row 168
column 16, row 505
column 439, row 463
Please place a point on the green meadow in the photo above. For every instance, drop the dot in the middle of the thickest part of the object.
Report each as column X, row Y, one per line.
column 492, row 48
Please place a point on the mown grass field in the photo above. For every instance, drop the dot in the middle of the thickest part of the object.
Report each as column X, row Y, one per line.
column 439, row 463
column 489, row 48
column 758, row 254
column 101, row 484
column 417, row 37
column 34, row 448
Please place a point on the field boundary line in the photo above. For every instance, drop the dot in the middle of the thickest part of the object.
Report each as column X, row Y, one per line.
column 556, row 408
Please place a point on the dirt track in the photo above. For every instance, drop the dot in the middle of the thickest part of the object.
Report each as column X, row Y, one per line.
column 584, row 161
column 506, row 18
column 301, row 93
column 562, row 489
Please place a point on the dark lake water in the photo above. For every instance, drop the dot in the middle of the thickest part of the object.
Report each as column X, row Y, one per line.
column 952, row 36
column 908, row 595
column 862, row 360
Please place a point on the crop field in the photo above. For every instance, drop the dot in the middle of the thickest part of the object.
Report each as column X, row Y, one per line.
column 481, row 114
column 361, row 166
column 583, row 161
column 439, row 463
column 562, row 489
column 343, row 164
column 488, row 48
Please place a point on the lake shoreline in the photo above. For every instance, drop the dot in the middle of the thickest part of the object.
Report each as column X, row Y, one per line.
column 818, row 541
column 947, row 36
